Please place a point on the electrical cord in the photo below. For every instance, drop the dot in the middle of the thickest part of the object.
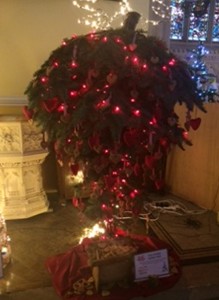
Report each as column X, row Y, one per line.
column 153, row 210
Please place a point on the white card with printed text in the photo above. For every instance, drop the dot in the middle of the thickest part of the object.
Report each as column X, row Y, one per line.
column 154, row 263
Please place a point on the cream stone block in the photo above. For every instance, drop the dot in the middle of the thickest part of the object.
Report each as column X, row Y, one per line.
column 21, row 156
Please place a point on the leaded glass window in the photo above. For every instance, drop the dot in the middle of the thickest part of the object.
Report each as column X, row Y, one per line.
column 198, row 27
column 215, row 29
column 177, row 20
column 195, row 20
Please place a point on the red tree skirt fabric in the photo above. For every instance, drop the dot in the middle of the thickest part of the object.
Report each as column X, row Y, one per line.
column 67, row 268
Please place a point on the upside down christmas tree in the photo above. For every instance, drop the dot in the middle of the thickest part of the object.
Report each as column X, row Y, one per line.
column 106, row 101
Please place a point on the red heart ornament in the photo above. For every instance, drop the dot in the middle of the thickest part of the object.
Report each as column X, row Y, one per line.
column 132, row 47
column 109, row 181
column 50, row 104
column 115, row 158
column 137, row 169
column 111, row 78
column 75, row 202
column 94, row 141
column 159, row 183
column 74, row 169
column 150, row 161
column 28, row 113
column 130, row 137
column 65, row 118
column 195, row 123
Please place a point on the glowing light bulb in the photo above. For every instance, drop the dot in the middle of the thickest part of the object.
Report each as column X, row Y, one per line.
column 137, row 112
column 117, row 110
column 74, row 64
column 55, row 64
column 73, row 93
column 44, row 79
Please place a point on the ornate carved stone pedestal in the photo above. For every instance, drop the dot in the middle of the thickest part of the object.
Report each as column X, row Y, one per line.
column 21, row 155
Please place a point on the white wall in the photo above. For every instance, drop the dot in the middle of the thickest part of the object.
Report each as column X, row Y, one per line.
column 30, row 30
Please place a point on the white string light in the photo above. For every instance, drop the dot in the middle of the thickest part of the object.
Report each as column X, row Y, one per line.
column 99, row 19
column 161, row 9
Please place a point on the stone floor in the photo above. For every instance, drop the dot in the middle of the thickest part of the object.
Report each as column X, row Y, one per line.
column 33, row 240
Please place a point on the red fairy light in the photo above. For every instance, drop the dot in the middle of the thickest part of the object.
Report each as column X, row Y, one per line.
column 61, row 108
column 92, row 36
column 185, row 134
column 136, row 191
column 118, row 40
column 83, row 89
column 55, row 64
column 164, row 142
column 123, row 181
column 144, row 67
column 105, row 39
column 137, row 113
column 135, row 60
column 114, row 173
column 44, row 79
column 64, row 43
column 125, row 48
column 74, row 77
column 172, row 62
column 153, row 121
column 116, row 110
column 126, row 163
column 132, row 100
column 132, row 195
column 74, row 64
column 102, row 104
column 73, row 93
column 103, row 206
column 164, row 68
column 106, row 151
